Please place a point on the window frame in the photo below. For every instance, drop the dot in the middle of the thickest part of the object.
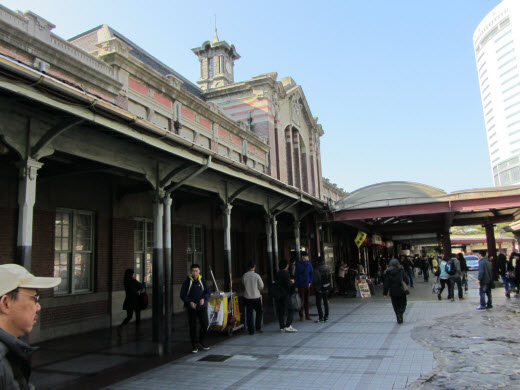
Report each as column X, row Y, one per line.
column 141, row 274
column 191, row 257
column 72, row 251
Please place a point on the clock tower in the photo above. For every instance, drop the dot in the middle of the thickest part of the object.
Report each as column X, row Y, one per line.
column 216, row 63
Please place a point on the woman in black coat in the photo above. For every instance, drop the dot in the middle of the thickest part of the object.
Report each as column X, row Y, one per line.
column 131, row 303
column 394, row 278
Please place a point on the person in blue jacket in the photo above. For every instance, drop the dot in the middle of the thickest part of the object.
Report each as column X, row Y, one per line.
column 303, row 277
column 195, row 294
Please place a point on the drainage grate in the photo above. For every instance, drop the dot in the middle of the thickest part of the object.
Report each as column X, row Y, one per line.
column 214, row 358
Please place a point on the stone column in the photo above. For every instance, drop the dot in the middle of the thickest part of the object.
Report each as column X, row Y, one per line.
column 446, row 244
column 228, row 277
column 492, row 248
column 28, row 170
column 167, row 203
column 275, row 242
column 157, row 274
column 269, row 236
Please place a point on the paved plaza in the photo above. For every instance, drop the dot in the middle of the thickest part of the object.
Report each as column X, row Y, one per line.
column 361, row 347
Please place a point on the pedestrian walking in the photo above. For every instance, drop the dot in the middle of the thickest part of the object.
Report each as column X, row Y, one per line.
column 395, row 281
column 303, row 277
column 408, row 266
column 322, row 287
column 253, row 286
column 131, row 302
column 443, row 278
column 425, row 268
column 485, row 278
column 435, row 265
column 517, row 273
column 505, row 270
column 463, row 270
column 282, row 296
column 343, row 269
column 195, row 294
column 455, row 277
column 19, row 309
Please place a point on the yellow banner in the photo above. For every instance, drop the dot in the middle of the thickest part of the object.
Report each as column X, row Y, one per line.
column 360, row 238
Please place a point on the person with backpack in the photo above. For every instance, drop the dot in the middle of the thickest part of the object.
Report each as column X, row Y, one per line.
column 195, row 294
column 322, row 285
column 453, row 269
column 444, row 277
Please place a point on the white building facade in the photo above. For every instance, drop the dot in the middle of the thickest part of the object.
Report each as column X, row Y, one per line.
column 497, row 53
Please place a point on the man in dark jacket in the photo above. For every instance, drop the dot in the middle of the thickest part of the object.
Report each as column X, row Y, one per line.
column 322, row 286
column 19, row 309
column 283, row 283
column 485, row 278
column 195, row 294
column 393, row 284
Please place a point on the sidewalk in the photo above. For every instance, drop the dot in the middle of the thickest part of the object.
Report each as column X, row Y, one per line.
column 97, row 359
column 361, row 347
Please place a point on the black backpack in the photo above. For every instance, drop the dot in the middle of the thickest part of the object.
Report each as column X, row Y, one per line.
column 324, row 275
column 450, row 268
column 275, row 291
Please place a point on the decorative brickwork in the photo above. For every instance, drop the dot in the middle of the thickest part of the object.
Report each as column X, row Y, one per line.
column 137, row 86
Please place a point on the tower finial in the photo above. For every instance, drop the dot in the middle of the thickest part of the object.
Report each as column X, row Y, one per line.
column 215, row 37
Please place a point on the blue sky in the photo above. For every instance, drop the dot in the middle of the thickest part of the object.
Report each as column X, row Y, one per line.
column 393, row 83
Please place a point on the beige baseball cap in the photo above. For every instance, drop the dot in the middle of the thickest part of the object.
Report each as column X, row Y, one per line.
column 13, row 276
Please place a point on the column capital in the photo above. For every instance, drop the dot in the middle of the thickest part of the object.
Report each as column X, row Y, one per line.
column 226, row 208
column 167, row 200
column 159, row 196
column 28, row 168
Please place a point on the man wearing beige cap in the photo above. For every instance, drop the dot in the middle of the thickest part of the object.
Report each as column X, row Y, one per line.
column 18, row 314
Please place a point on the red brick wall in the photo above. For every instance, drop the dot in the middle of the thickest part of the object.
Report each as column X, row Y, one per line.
column 57, row 315
column 8, row 233
column 122, row 250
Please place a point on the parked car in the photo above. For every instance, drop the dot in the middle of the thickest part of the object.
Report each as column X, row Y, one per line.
column 472, row 262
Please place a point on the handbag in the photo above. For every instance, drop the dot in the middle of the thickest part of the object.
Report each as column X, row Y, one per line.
column 143, row 300
column 296, row 302
column 436, row 287
column 405, row 287
column 492, row 284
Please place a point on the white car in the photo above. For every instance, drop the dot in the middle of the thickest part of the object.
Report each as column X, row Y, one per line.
column 472, row 262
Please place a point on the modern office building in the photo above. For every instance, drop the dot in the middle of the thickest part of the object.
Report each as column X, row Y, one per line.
column 497, row 53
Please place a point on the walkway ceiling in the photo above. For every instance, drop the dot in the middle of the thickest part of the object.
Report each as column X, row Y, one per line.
column 403, row 209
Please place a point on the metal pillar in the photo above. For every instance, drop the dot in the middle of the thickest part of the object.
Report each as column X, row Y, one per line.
column 275, row 242
column 228, row 277
column 167, row 203
column 157, row 274
column 26, row 197
column 297, row 246
column 446, row 244
column 269, row 235
column 492, row 248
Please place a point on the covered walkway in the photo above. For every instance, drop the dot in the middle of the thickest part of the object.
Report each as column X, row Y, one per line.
column 416, row 213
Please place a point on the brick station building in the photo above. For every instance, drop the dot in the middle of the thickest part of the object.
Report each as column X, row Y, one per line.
column 110, row 159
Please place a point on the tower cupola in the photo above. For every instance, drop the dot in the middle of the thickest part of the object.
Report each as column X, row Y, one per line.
column 216, row 63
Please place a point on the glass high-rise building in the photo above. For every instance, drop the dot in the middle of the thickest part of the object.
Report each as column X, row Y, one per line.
column 497, row 52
